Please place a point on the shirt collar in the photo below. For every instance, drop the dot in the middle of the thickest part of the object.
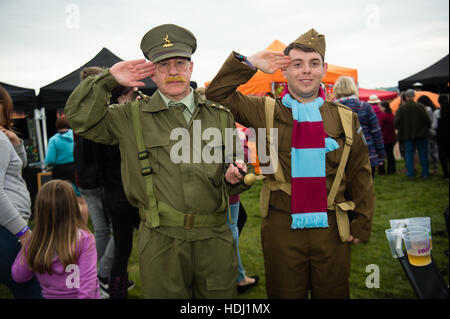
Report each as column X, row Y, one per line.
column 188, row 100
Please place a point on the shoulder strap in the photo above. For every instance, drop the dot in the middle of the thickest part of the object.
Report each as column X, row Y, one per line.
column 223, row 124
column 222, row 115
column 346, row 116
column 269, row 112
column 151, row 211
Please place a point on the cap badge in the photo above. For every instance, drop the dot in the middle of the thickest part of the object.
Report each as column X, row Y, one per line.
column 168, row 43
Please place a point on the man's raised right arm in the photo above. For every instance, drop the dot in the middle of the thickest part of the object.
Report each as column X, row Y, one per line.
column 87, row 108
column 248, row 110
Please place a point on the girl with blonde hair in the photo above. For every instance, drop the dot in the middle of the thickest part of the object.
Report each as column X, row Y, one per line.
column 61, row 250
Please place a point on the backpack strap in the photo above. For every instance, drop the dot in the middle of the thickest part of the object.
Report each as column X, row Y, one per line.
column 279, row 183
column 346, row 120
column 223, row 125
column 150, row 211
column 269, row 112
column 342, row 208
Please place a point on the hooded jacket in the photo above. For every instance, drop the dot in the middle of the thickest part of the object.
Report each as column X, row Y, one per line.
column 370, row 125
column 60, row 149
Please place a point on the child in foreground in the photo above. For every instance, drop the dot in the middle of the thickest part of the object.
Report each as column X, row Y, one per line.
column 61, row 250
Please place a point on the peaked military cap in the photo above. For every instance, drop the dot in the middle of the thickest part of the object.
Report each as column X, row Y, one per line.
column 168, row 41
column 314, row 40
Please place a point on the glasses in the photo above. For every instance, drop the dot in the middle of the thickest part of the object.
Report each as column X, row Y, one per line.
column 181, row 65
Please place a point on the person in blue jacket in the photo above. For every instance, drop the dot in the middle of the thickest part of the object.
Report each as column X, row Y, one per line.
column 60, row 153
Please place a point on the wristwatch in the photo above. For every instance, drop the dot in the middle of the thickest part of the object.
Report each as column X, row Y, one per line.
column 244, row 59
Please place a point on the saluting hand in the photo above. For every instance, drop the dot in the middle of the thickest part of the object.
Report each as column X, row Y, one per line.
column 130, row 73
column 269, row 61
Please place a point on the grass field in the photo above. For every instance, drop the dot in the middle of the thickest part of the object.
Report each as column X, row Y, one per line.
column 396, row 197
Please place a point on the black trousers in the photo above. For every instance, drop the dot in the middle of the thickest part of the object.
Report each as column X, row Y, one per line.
column 389, row 149
column 64, row 171
column 124, row 219
column 444, row 156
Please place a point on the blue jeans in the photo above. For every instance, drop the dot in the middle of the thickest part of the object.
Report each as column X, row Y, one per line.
column 104, row 242
column 234, row 209
column 410, row 148
column 9, row 248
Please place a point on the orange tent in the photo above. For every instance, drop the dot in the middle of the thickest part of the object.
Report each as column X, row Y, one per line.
column 336, row 71
column 433, row 97
column 260, row 83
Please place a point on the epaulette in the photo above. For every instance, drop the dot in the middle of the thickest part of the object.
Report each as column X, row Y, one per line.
column 217, row 106
column 142, row 95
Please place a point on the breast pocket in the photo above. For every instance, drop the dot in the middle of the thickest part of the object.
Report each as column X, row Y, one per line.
column 213, row 158
column 283, row 134
column 334, row 157
column 159, row 149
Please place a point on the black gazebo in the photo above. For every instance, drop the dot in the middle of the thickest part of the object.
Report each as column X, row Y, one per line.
column 434, row 78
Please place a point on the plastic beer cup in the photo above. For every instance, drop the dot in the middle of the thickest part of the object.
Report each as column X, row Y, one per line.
column 424, row 222
column 417, row 244
column 393, row 236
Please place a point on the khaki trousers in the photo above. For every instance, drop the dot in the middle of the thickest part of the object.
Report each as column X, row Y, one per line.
column 179, row 269
column 304, row 260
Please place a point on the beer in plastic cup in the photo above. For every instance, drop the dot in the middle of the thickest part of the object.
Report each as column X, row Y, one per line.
column 422, row 221
column 417, row 244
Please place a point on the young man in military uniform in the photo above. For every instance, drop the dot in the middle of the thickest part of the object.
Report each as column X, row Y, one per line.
column 185, row 247
column 304, row 258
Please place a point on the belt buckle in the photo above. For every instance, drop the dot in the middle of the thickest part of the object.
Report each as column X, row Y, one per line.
column 348, row 141
column 189, row 221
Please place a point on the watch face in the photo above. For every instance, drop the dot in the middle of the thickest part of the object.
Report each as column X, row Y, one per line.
column 240, row 57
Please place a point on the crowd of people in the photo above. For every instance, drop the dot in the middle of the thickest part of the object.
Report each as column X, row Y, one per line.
column 112, row 164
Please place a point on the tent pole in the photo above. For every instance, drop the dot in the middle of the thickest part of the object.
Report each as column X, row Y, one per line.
column 44, row 129
column 37, row 117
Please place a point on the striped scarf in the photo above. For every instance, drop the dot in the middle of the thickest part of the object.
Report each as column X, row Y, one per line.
column 309, row 146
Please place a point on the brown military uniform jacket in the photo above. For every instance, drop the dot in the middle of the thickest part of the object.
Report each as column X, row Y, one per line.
column 357, row 182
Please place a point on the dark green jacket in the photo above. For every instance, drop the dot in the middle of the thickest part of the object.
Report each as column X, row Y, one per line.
column 412, row 121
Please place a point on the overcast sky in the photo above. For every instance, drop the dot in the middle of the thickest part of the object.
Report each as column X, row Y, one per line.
column 41, row 41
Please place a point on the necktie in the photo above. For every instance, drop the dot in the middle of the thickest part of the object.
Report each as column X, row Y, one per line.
column 180, row 112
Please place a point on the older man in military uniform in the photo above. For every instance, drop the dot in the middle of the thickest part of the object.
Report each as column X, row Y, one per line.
column 309, row 256
column 186, row 249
